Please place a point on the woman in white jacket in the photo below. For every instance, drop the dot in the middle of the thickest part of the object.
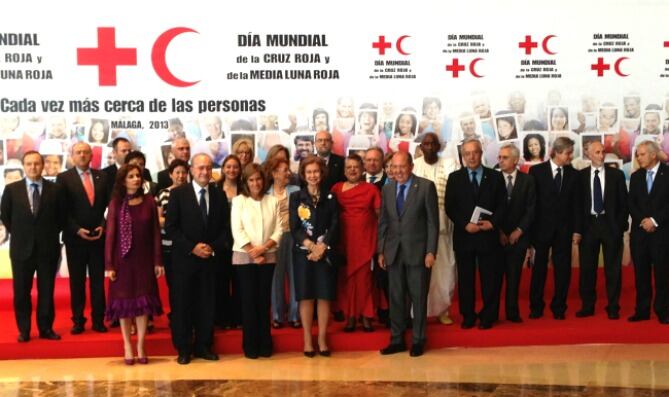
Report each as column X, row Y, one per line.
column 256, row 229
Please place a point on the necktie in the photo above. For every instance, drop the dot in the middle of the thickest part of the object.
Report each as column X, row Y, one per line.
column 475, row 183
column 203, row 204
column 558, row 179
column 509, row 187
column 399, row 203
column 36, row 197
column 372, row 179
column 597, row 198
column 88, row 187
column 649, row 180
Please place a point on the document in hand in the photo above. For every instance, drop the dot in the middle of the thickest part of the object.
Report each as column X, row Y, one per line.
column 478, row 212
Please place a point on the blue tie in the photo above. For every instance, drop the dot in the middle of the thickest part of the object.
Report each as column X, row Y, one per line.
column 597, row 198
column 399, row 203
column 203, row 204
column 36, row 197
column 475, row 183
column 649, row 180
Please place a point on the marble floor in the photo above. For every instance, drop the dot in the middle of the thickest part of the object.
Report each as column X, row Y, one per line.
column 583, row 370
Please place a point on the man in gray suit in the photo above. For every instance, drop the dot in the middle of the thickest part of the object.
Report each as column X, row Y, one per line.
column 407, row 246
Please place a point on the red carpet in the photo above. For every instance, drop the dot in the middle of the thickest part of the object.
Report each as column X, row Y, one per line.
column 545, row 331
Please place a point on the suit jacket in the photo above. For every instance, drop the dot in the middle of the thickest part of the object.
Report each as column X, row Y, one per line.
column 654, row 204
column 615, row 201
column 520, row 209
column 80, row 213
column 111, row 176
column 416, row 229
column 335, row 172
column 186, row 228
column 555, row 211
column 30, row 233
column 460, row 202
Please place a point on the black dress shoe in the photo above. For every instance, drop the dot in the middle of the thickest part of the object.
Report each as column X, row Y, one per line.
column 559, row 316
column 467, row 324
column 251, row 356
column 613, row 315
column 515, row 319
column 207, row 355
column 585, row 313
column 485, row 325
column 416, row 350
column 536, row 315
column 663, row 319
column 23, row 338
column 310, row 354
column 324, row 353
column 183, row 359
column 99, row 328
column 49, row 334
column 393, row 348
column 349, row 328
column 638, row 317
column 77, row 329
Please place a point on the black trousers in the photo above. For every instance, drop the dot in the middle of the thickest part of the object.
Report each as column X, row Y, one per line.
column 228, row 300
column 22, row 280
column 86, row 258
column 511, row 271
column 412, row 282
column 489, row 269
column 561, row 256
column 599, row 234
column 255, row 285
column 649, row 254
column 193, row 287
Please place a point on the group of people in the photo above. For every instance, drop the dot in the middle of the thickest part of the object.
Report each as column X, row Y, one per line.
column 357, row 237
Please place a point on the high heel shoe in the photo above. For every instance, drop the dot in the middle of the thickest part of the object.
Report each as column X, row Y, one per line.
column 324, row 353
column 310, row 354
column 143, row 360
column 129, row 361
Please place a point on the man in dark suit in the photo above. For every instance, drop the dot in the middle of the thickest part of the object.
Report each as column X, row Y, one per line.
column 602, row 197
column 649, row 237
column 120, row 148
column 86, row 198
column 181, row 151
column 32, row 211
column 374, row 172
column 476, row 242
column 407, row 247
column 553, row 228
column 198, row 222
column 515, row 227
column 334, row 163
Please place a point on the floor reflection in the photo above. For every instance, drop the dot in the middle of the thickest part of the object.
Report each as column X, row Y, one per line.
column 307, row 388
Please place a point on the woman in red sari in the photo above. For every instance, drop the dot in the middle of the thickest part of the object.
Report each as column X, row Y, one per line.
column 359, row 203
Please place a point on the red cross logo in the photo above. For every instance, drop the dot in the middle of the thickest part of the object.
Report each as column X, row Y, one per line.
column 600, row 67
column 106, row 56
column 528, row 44
column 455, row 68
column 381, row 45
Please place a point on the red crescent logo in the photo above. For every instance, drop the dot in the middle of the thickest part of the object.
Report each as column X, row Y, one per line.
column 158, row 57
column 544, row 44
column 398, row 44
column 616, row 67
column 472, row 68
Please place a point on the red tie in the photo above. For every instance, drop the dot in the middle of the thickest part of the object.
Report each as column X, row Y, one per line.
column 88, row 187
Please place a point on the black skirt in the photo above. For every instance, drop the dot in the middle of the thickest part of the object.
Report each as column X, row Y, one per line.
column 313, row 280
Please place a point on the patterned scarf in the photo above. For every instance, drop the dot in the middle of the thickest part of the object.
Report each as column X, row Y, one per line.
column 125, row 226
